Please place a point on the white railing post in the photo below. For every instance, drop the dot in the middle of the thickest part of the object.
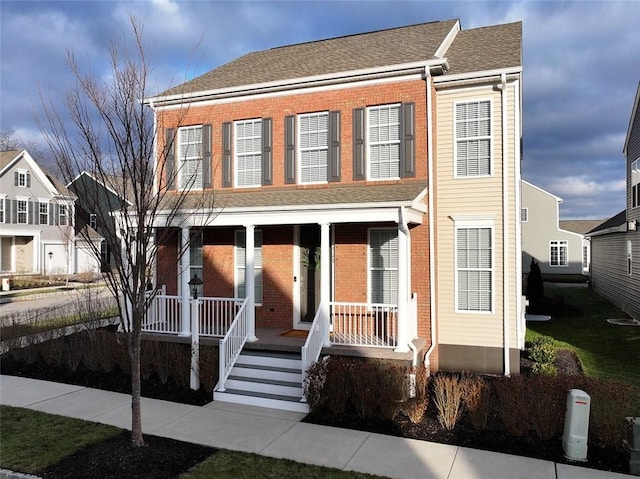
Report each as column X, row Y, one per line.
column 325, row 281
column 195, row 344
column 249, row 280
column 402, row 345
column 184, row 281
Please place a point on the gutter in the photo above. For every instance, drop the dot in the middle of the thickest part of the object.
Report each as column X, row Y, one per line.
column 431, row 212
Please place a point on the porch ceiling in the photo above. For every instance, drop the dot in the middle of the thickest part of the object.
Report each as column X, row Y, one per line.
column 333, row 204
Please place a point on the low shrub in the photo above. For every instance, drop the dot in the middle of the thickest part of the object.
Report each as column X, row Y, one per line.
column 477, row 400
column 448, row 393
column 543, row 352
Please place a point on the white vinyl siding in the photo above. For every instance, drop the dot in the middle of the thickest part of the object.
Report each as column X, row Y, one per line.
column 474, row 269
column 383, row 266
column 248, row 153
column 314, row 147
column 558, row 253
column 190, row 157
column 383, row 142
column 473, row 138
column 240, row 265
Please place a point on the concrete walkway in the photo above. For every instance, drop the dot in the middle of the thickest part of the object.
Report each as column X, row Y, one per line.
column 280, row 434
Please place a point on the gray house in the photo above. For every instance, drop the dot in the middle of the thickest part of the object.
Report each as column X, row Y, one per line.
column 562, row 254
column 36, row 218
column 615, row 268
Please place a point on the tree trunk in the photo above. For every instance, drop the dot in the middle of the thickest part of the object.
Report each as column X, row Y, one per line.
column 136, row 412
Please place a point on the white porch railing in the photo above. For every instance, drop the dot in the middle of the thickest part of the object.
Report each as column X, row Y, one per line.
column 313, row 345
column 163, row 315
column 217, row 315
column 231, row 345
column 364, row 324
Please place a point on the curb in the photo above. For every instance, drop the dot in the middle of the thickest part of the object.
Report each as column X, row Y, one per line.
column 7, row 474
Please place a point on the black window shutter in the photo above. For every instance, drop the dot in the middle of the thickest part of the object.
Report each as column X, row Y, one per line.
column 407, row 139
column 51, row 214
column 267, row 151
column 33, row 206
column 169, row 162
column 28, row 175
column 15, row 178
column 290, row 149
column 334, row 146
column 227, row 180
column 56, row 220
column 359, row 171
column 14, row 211
column 206, row 156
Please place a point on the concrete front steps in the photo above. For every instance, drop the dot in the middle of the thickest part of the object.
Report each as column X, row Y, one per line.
column 270, row 379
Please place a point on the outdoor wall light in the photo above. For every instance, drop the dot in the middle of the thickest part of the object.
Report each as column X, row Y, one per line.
column 50, row 255
column 195, row 283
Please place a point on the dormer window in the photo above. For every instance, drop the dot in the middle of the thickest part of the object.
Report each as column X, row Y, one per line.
column 22, row 179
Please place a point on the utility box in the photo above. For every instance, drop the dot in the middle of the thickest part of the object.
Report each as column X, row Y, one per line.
column 576, row 425
column 633, row 446
column 6, row 284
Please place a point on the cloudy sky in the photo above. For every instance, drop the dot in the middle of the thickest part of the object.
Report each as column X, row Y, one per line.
column 581, row 65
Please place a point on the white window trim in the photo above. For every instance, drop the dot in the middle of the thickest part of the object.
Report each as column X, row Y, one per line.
column 635, row 171
column 181, row 161
column 491, row 139
column 40, row 213
column 299, row 148
column 18, row 200
column 369, row 284
column 368, row 139
column 629, row 257
column 558, row 244
column 235, row 152
column 22, row 173
column 477, row 222
column 3, row 208
column 66, row 216
column 235, row 267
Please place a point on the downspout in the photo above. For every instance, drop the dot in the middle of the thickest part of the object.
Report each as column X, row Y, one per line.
column 431, row 213
column 404, row 257
column 505, row 224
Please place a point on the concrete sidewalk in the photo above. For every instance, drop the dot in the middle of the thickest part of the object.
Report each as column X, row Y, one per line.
column 280, row 434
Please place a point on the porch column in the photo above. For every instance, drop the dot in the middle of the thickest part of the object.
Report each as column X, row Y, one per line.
column 403, row 285
column 249, row 280
column 325, row 282
column 185, row 250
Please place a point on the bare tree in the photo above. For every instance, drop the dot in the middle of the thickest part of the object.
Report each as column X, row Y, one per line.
column 111, row 136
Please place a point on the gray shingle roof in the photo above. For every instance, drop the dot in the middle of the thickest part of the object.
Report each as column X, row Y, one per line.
column 300, row 197
column 580, row 226
column 7, row 156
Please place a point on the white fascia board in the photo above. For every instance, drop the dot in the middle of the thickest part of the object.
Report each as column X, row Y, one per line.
column 301, row 82
column 477, row 75
column 10, row 164
column 614, row 229
column 448, row 40
column 631, row 119
column 36, row 170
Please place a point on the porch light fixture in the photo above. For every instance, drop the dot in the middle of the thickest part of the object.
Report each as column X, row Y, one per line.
column 195, row 283
column 50, row 255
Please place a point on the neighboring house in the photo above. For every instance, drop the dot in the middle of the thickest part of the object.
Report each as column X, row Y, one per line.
column 101, row 198
column 370, row 183
column 562, row 253
column 615, row 244
column 36, row 218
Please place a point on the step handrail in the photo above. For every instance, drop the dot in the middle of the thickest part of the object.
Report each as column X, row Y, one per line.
column 231, row 345
column 312, row 346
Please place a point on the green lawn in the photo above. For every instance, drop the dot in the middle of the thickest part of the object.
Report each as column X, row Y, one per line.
column 605, row 350
column 33, row 440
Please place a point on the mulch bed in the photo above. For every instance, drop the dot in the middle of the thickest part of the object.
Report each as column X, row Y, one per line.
column 165, row 458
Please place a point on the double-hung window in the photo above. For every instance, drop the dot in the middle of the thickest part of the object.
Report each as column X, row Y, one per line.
column 2, row 209
column 93, row 220
column 383, row 142
column 240, row 265
column 43, row 210
column 248, row 153
column 383, row 265
column 558, row 253
column 635, row 183
column 629, row 257
column 63, row 215
column 473, row 138
column 314, row 147
column 22, row 210
column 22, row 179
column 190, row 157
column 474, row 268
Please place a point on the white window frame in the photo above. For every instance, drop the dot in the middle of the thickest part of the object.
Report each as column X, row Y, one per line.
column 25, row 202
column 43, row 214
column 3, row 209
column 524, row 215
column 189, row 154
column 93, row 220
column 389, row 142
column 474, row 225
column 635, row 183
column 559, row 245
column 22, row 178
column 255, row 153
column 240, row 265
column 63, row 214
column 318, row 147
column 393, row 270
column 629, row 257
column 472, row 138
